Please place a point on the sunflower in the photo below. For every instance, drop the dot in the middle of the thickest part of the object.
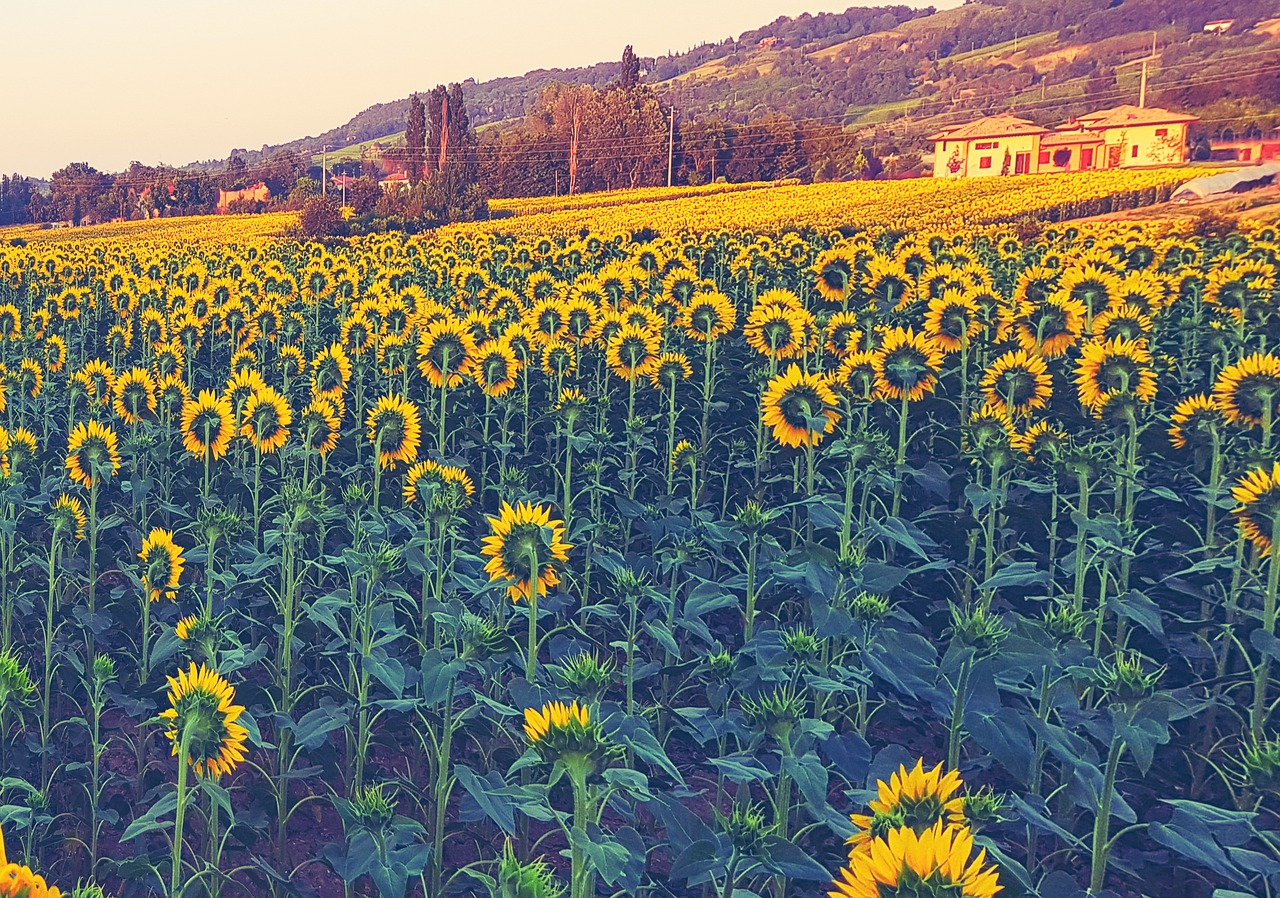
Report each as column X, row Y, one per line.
column 1018, row 382
column 1090, row 285
column 708, row 316
column 683, row 455
column 559, row 358
column 1194, row 420
column 888, row 284
column 670, row 369
column 519, row 535
column 68, row 516
column 800, row 407
column 915, row 798
column 935, row 862
column 92, row 453
column 185, row 626
column 1249, row 391
column 330, row 371
column 1126, row 321
column 834, row 273
column 907, row 365
column 952, row 320
column 1050, row 327
column 20, row 881
column 1040, row 442
column 1239, row 289
column 538, row 725
column 776, row 331
column 633, row 351
column 357, row 334
column 97, row 379
column 201, row 713
column 1112, row 367
column 266, row 419
column 496, row 368
column 208, row 425
column 844, row 334
column 548, row 319
column 319, row 426
column 10, row 322
column 162, row 564
column 445, row 352
column 395, row 428
column 433, row 482
column 1258, row 493
column 856, row 376
column 135, row 395
column 30, row 377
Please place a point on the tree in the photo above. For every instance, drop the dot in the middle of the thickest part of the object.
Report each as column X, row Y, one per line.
column 630, row 76
column 1004, row 166
column 321, row 217
column 415, row 138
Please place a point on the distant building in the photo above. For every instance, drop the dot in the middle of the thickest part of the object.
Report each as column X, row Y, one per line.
column 1138, row 136
column 1219, row 26
column 1123, row 137
column 397, row 180
column 1247, row 149
column 258, row 193
column 977, row 149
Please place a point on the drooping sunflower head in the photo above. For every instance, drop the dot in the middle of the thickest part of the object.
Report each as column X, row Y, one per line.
column 162, row 565
column 777, row 331
column 684, row 455
column 267, row 416
column 1195, row 421
column 669, row 370
column 442, row 489
column 1258, row 514
column 844, row 334
column 708, row 316
column 952, row 320
column 395, row 429
column 989, row 434
column 856, row 376
column 202, row 715
column 1113, row 368
column 67, row 517
column 907, row 365
column 1050, row 327
column 135, row 395
column 208, row 425
column 800, row 407
column 935, row 863
column 1018, row 382
column 1041, row 441
column 496, row 367
column 526, row 548
column 330, row 371
column 445, row 352
column 834, row 273
column 1249, row 391
column 92, row 453
column 633, row 351
column 559, row 358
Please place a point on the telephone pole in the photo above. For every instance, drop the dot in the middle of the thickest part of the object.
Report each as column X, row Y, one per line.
column 324, row 178
column 671, row 146
column 1142, row 84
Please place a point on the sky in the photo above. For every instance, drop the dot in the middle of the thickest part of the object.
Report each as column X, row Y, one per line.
column 176, row 81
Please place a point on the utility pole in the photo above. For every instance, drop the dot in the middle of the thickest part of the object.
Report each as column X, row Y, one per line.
column 1142, row 84
column 671, row 146
column 324, row 178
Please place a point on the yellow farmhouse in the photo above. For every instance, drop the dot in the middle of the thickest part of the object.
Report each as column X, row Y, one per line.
column 1122, row 137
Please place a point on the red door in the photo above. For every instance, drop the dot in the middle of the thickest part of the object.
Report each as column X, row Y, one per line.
column 1086, row 158
column 1022, row 163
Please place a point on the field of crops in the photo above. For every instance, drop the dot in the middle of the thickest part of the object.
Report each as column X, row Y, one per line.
column 939, row 561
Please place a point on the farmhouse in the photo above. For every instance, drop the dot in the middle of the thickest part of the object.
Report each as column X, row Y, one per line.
column 1123, row 137
column 258, row 193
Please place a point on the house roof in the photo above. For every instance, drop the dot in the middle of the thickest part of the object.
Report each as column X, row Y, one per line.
column 1064, row 138
column 1127, row 115
column 991, row 126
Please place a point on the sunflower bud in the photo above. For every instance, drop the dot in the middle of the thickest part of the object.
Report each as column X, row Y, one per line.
column 777, row 714
column 802, row 645
column 869, row 608
column 585, row 674
column 525, row 880
column 1258, row 766
column 978, row 629
column 1125, row 680
column 372, row 808
column 720, row 665
column 745, row 827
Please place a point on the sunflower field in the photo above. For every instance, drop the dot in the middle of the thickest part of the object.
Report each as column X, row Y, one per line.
column 712, row 562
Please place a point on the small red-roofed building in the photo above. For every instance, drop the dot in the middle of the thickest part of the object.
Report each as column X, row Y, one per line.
column 1135, row 136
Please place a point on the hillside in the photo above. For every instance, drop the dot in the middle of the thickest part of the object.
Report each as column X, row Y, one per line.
column 898, row 73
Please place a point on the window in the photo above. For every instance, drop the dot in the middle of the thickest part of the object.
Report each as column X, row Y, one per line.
column 1086, row 158
column 1044, row 157
column 984, row 162
column 1134, row 153
column 1162, row 132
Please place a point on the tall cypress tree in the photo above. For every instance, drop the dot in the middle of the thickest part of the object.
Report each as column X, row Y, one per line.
column 630, row 68
column 415, row 138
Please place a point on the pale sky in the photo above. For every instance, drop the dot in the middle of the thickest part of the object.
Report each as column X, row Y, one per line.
column 175, row 81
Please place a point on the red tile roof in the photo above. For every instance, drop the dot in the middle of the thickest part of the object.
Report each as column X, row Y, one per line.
column 1125, row 116
column 991, row 126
